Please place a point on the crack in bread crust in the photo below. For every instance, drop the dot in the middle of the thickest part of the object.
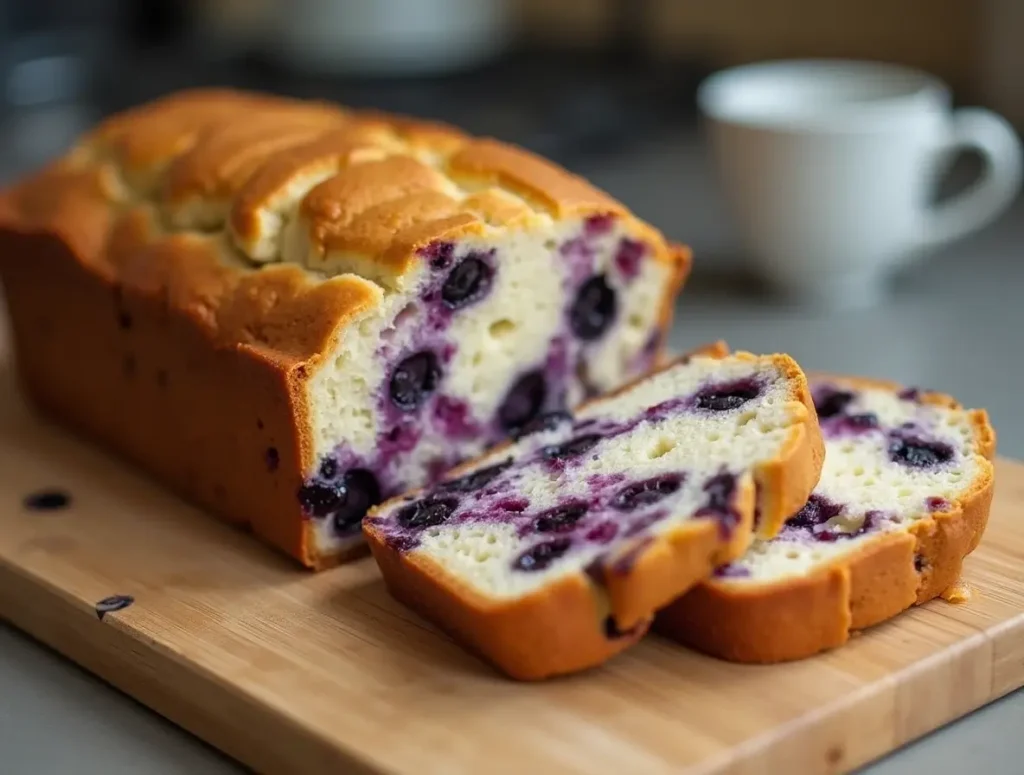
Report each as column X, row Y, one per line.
column 798, row 616
column 214, row 231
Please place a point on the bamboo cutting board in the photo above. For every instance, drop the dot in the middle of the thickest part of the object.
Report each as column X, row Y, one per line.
column 294, row 673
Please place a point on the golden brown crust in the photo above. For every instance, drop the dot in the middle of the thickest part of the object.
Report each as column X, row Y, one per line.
column 631, row 585
column 799, row 617
column 556, row 630
column 382, row 188
column 144, row 246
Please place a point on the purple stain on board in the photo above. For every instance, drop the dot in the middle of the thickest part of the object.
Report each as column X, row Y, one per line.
column 109, row 605
column 47, row 500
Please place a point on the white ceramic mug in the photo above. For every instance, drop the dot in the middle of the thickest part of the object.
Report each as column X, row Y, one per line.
column 828, row 166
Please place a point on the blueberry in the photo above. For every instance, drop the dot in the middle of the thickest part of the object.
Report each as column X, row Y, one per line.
column 560, row 519
column 577, row 446
column 720, row 489
column 548, row 421
column 829, row 402
column 512, row 504
column 113, row 603
column 816, row 511
column 476, row 480
column 358, row 491
column 439, row 253
column 731, row 571
column 628, row 257
column 429, row 512
column 864, row 421
column 728, row 396
column 523, row 402
column 598, row 224
column 328, row 468
column 646, row 492
column 910, row 394
column 542, row 555
column 414, row 379
column 602, row 533
column 920, row 563
column 644, row 522
column 47, row 500
column 319, row 499
column 918, row 453
column 594, row 309
column 467, row 282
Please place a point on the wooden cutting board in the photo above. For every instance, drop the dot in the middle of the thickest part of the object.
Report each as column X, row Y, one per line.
column 295, row 673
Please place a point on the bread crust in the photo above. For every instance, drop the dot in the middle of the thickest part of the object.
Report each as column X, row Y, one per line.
column 632, row 585
column 797, row 618
column 142, row 317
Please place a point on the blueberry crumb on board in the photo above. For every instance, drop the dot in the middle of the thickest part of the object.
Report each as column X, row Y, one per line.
column 111, row 604
column 47, row 500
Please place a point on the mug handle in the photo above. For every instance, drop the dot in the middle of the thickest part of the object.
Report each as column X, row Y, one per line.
column 997, row 142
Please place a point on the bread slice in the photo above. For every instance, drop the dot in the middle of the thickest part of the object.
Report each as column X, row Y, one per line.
column 551, row 553
column 903, row 497
column 289, row 310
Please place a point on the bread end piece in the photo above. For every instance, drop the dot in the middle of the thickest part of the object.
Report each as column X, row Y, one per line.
column 797, row 618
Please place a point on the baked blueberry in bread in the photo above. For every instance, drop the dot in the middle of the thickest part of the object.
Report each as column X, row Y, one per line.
column 551, row 553
column 289, row 311
column 903, row 497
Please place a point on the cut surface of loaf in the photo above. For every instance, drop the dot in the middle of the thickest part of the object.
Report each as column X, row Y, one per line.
column 904, row 495
column 551, row 553
column 290, row 310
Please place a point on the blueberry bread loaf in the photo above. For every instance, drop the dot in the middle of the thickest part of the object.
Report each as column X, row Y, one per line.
column 289, row 311
column 903, row 497
column 551, row 553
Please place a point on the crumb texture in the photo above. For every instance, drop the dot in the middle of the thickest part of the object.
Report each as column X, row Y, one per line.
column 589, row 493
column 891, row 460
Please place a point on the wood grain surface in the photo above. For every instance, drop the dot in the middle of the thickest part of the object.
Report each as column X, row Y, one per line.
column 295, row 673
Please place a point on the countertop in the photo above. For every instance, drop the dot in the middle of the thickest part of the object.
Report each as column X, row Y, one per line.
column 952, row 323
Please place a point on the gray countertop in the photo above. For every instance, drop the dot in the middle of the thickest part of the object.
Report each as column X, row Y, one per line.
column 952, row 323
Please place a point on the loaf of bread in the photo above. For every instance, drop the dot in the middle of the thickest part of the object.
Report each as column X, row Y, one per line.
column 551, row 554
column 289, row 311
column 903, row 497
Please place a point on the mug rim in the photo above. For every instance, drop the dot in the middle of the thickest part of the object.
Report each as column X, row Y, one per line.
column 925, row 90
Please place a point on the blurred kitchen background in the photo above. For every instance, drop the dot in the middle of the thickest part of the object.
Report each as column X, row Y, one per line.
column 605, row 87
